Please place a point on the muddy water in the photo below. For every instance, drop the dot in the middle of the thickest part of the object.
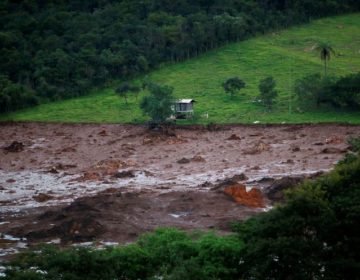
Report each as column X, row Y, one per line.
column 171, row 176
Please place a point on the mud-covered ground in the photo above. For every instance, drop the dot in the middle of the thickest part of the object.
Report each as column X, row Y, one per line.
column 110, row 183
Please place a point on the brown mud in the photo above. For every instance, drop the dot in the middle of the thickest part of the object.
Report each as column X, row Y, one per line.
column 77, row 183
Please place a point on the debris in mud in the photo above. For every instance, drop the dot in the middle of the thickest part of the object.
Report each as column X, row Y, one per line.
column 214, row 127
column 125, row 174
column 221, row 184
column 253, row 198
column 170, row 139
column 256, row 134
column 183, row 161
column 42, row 197
column 77, row 229
column 89, row 176
column 102, row 133
column 275, row 192
column 295, row 149
column 66, row 150
column 289, row 161
column 61, row 166
column 77, row 222
column 257, row 148
column 332, row 150
column 14, row 147
column 198, row 158
column 334, row 140
column 234, row 137
column 53, row 170
column 104, row 168
column 176, row 140
column 110, row 191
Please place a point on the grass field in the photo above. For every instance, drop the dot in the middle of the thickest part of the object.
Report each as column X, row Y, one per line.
column 285, row 55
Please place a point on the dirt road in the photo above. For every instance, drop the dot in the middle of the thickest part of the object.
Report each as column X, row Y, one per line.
column 126, row 180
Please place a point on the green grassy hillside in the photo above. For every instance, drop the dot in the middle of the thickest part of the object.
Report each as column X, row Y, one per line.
column 286, row 55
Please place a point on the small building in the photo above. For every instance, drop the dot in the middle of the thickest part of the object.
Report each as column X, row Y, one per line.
column 184, row 108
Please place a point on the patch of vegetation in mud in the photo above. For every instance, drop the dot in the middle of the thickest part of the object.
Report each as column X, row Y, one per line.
column 313, row 235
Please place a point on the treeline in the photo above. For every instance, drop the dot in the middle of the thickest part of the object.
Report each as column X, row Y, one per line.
column 314, row 235
column 51, row 50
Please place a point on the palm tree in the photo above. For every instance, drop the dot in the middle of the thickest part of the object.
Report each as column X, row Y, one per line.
column 325, row 49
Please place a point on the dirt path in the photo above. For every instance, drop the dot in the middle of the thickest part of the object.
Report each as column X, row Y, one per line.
column 130, row 180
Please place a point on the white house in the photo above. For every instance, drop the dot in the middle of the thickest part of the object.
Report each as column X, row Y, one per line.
column 184, row 108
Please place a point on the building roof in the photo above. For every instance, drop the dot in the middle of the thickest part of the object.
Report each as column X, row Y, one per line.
column 185, row 100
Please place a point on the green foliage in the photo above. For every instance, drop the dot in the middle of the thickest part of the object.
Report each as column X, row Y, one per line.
column 314, row 89
column 346, row 91
column 125, row 88
column 233, row 85
column 338, row 92
column 354, row 143
column 158, row 104
column 267, row 91
column 285, row 55
column 61, row 49
column 166, row 253
column 15, row 96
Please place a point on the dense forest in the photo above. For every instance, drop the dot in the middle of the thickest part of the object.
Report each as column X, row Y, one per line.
column 51, row 50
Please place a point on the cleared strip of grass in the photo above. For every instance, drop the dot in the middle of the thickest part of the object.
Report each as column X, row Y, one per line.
column 285, row 55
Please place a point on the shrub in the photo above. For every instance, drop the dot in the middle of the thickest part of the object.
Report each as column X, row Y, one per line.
column 233, row 85
column 267, row 91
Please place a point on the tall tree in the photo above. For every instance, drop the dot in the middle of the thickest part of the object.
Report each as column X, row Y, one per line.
column 268, row 92
column 233, row 85
column 326, row 50
column 158, row 104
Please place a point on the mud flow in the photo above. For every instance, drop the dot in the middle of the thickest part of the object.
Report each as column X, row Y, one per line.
column 107, row 184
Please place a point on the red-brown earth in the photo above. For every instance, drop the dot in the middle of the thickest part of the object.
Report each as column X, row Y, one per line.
column 109, row 183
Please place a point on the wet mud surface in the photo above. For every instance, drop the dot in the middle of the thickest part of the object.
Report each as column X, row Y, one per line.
column 110, row 183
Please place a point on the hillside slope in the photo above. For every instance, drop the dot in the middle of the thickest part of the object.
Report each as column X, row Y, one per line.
column 285, row 55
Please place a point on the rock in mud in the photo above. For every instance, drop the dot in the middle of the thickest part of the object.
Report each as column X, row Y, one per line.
column 275, row 192
column 42, row 197
column 125, row 174
column 53, row 170
column 295, row 149
column 14, row 147
column 183, row 161
column 222, row 184
column 234, row 137
column 102, row 133
column 333, row 151
column 253, row 198
column 198, row 158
